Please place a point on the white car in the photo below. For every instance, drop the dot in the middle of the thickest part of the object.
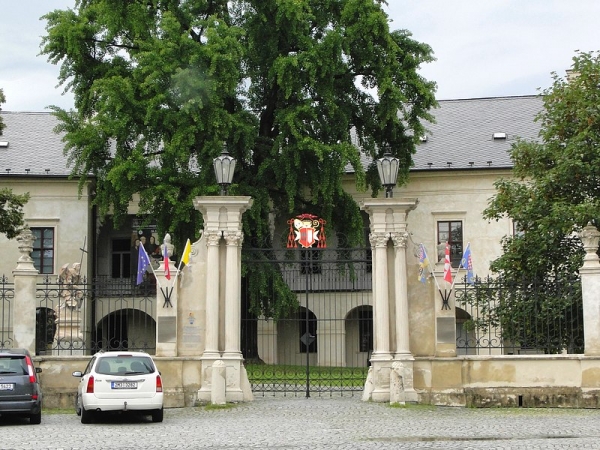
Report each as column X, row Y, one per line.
column 119, row 381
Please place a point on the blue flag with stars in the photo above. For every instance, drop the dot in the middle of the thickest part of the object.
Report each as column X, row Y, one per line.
column 143, row 263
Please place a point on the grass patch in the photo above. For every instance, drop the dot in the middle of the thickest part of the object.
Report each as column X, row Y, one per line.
column 421, row 406
column 51, row 411
column 296, row 375
column 211, row 407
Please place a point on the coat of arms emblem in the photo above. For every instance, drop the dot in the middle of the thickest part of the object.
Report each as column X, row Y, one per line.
column 306, row 230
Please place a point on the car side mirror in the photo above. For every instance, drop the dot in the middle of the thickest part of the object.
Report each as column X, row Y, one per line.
column 38, row 370
column 77, row 374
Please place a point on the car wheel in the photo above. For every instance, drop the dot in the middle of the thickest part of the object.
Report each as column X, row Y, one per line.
column 35, row 419
column 157, row 415
column 77, row 407
column 86, row 416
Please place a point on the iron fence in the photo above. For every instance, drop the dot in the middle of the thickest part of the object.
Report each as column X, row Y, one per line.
column 307, row 321
column 104, row 314
column 7, row 296
column 301, row 304
column 498, row 316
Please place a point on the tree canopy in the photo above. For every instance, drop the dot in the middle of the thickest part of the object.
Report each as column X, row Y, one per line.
column 554, row 193
column 291, row 87
column 556, row 189
column 11, row 214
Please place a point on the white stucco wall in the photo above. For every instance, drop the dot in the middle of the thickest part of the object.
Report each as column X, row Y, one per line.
column 54, row 202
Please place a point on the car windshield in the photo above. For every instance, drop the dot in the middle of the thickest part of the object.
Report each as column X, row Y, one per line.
column 124, row 365
column 13, row 365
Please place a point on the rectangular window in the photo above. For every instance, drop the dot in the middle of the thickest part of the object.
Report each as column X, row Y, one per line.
column 451, row 231
column 122, row 257
column 43, row 249
column 517, row 231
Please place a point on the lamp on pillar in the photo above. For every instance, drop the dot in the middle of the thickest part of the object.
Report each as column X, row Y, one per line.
column 224, row 167
column 388, row 172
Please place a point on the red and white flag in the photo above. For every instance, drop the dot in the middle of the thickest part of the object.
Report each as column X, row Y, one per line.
column 166, row 261
column 447, row 266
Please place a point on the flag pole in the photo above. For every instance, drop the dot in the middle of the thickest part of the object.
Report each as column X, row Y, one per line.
column 149, row 263
column 181, row 261
column 460, row 265
column 153, row 272
column 431, row 271
column 445, row 296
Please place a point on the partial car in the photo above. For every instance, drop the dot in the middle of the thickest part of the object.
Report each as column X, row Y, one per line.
column 119, row 381
column 20, row 392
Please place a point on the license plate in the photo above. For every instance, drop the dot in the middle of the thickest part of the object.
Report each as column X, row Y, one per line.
column 7, row 387
column 123, row 385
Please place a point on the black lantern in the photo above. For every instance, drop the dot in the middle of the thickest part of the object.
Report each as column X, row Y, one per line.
column 224, row 167
column 388, row 172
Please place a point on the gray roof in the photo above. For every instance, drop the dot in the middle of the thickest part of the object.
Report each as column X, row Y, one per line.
column 461, row 136
column 33, row 147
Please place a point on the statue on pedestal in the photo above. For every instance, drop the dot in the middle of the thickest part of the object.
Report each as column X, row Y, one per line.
column 170, row 247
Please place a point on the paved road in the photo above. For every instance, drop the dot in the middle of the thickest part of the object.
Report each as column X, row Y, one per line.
column 315, row 423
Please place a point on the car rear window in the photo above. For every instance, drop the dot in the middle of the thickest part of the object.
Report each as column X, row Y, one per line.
column 120, row 365
column 13, row 365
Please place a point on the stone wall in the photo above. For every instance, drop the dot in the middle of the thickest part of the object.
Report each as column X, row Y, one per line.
column 181, row 379
column 571, row 381
column 509, row 381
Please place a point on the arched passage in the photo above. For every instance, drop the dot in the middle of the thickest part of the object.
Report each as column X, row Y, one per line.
column 45, row 329
column 465, row 337
column 359, row 336
column 126, row 329
column 295, row 335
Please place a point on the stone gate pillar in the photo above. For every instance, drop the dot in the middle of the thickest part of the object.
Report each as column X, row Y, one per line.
column 167, row 307
column 25, row 277
column 223, row 236
column 590, row 290
column 388, row 237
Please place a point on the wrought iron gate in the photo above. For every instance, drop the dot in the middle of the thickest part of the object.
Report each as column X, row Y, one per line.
column 307, row 320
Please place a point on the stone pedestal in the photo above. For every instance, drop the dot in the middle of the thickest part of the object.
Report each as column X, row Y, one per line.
column 445, row 315
column 167, row 310
column 25, row 279
column 69, row 338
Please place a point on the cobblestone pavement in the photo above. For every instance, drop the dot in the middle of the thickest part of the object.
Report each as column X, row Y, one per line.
column 315, row 423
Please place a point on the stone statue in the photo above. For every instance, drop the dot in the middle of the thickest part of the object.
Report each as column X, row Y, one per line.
column 69, row 279
column 441, row 252
column 170, row 247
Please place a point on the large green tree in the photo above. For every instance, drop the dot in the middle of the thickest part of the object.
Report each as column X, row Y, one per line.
column 11, row 213
column 291, row 87
column 555, row 192
column 160, row 85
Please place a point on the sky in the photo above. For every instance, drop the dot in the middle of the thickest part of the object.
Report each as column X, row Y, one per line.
column 483, row 48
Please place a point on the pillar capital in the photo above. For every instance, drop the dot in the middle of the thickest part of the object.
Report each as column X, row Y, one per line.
column 379, row 239
column 233, row 238
column 212, row 237
column 399, row 239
